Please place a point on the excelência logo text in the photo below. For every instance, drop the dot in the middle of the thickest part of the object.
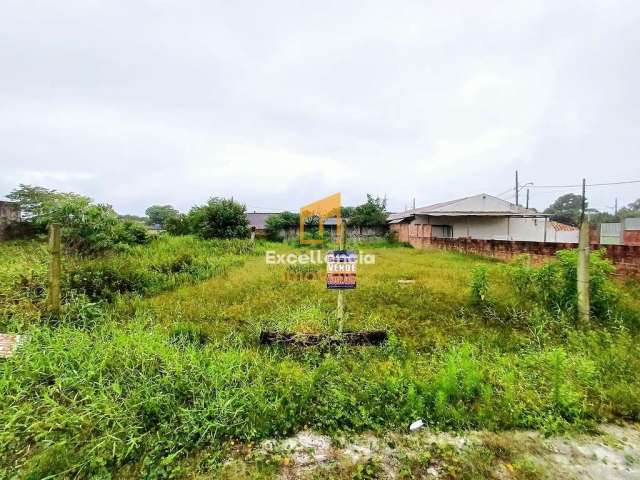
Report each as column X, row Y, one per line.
column 314, row 257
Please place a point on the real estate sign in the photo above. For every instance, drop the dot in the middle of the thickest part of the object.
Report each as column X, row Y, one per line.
column 341, row 269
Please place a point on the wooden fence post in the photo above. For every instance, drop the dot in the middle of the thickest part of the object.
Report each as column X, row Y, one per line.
column 55, row 268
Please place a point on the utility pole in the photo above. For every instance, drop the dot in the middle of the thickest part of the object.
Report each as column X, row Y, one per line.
column 517, row 188
column 55, row 268
column 583, row 264
column 615, row 208
column 414, row 203
column 528, row 198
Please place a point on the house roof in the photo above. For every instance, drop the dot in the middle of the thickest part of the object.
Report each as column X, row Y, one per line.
column 563, row 227
column 258, row 219
column 477, row 205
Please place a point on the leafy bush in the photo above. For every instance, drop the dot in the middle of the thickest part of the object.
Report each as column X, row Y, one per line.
column 554, row 284
column 164, row 264
column 479, row 284
column 219, row 218
column 177, row 225
column 21, row 231
column 128, row 232
column 104, row 281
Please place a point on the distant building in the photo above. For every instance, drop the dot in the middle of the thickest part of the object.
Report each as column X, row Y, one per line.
column 482, row 217
column 9, row 213
column 257, row 222
column 626, row 232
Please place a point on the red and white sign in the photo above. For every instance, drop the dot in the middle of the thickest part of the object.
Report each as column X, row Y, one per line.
column 341, row 269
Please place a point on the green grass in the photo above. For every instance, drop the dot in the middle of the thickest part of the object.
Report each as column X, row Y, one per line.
column 160, row 380
column 141, row 270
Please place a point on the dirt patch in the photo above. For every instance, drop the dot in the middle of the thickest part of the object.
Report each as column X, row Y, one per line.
column 9, row 343
column 612, row 454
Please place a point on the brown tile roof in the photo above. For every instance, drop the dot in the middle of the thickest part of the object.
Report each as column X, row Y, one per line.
column 563, row 227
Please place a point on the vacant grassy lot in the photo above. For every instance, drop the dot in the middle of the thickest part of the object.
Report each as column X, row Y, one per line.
column 154, row 369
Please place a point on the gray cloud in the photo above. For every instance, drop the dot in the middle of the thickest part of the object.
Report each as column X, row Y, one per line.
column 280, row 103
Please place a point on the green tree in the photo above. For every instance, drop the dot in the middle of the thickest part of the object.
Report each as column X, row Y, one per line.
column 178, row 225
column 133, row 218
column 631, row 210
column 159, row 214
column 86, row 226
column 36, row 202
column 347, row 212
column 275, row 224
column 219, row 218
column 566, row 209
column 597, row 218
column 372, row 213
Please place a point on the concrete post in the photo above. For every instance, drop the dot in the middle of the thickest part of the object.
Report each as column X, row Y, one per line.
column 583, row 266
column 583, row 275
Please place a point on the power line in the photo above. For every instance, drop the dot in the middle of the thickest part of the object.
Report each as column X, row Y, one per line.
column 578, row 185
column 626, row 182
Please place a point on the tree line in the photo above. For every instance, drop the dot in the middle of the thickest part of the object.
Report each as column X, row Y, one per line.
column 567, row 209
column 91, row 227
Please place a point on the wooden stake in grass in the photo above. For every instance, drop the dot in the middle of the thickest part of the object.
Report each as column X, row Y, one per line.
column 55, row 269
column 583, row 266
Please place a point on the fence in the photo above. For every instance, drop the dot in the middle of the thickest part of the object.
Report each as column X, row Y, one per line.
column 626, row 258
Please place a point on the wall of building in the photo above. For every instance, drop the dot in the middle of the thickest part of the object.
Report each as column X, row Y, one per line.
column 9, row 212
column 500, row 228
column 626, row 258
column 626, row 232
column 631, row 237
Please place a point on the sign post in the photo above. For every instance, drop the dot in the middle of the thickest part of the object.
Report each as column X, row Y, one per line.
column 341, row 274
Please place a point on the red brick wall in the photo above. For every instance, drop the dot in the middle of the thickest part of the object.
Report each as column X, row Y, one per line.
column 631, row 237
column 418, row 235
column 626, row 258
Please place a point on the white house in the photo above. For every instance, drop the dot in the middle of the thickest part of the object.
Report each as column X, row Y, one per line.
column 482, row 217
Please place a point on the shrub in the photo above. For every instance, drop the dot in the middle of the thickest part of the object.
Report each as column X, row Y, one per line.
column 131, row 233
column 479, row 284
column 103, row 281
column 177, row 225
column 219, row 218
column 554, row 285
column 21, row 231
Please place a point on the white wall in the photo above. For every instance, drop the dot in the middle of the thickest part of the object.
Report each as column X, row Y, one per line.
column 501, row 228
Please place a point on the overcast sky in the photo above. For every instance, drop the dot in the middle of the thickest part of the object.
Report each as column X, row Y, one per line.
column 281, row 103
